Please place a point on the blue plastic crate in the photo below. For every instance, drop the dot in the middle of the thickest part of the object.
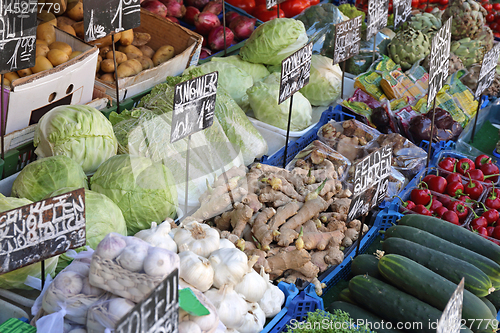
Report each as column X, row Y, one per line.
column 453, row 153
column 296, row 147
column 438, row 146
column 386, row 218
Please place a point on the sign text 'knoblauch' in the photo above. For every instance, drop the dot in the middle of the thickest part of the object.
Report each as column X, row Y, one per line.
column 295, row 72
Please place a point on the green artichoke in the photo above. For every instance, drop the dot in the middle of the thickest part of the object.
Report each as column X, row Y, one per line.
column 426, row 23
column 469, row 51
column 468, row 18
column 409, row 46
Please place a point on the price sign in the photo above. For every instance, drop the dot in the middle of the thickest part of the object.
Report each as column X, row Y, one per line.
column 376, row 17
column 439, row 60
column 451, row 319
column 295, row 72
column 271, row 3
column 158, row 312
column 17, row 34
column 371, row 181
column 347, row 39
column 402, row 12
column 41, row 230
column 102, row 17
column 194, row 105
column 488, row 70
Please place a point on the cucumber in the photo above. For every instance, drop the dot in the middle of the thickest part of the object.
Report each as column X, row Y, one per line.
column 362, row 317
column 453, row 233
column 394, row 305
column 451, row 268
column 431, row 288
column 488, row 266
column 345, row 296
column 494, row 298
column 490, row 306
column 365, row 264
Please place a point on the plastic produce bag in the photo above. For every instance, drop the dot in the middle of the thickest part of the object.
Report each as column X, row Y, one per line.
column 104, row 315
column 445, row 128
column 361, row 62
column 325, row 82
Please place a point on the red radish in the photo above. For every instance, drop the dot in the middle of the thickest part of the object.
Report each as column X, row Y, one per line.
column 213, row 7
column 174, row 8
column 205, row 53
column 173, row 19
column 230, row 16
column 190, row 14
column 205, row 22
column 216, row 38
column 197, row 3
column 243, row 27
column 155, row 7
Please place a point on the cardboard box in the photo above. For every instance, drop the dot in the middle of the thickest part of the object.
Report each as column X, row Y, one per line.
column 187, row 46
column 69, row 83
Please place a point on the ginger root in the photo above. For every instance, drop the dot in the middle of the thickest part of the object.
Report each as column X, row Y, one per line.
column 283, row 213
column 293, row 276
column 309, row 210
column 287, row 260
column 240, row 217
column 277, row 198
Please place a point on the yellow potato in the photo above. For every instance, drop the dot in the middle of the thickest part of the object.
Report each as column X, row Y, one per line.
column 127, row 37
column 47, row 32
column 79, row 29
column 163, row 54
column 105, row 41
column 147, row 51
column 6, row 82
column 41, row 64
column 129, row 68
column 41, row 42
column 69, row 29
column 57, row 57
column 141, row 38
column 42, row 50
column 24, row 72
column 107, row 66
column 130, row 49
column 46, row 16
column 75, row 11
column 120, row 57
column 63, row 20
column 11, row 76
column 107, row 77
column 75, row 54
column 146, row 62
column 132, row 56
column 104, row 50
column 61, row 46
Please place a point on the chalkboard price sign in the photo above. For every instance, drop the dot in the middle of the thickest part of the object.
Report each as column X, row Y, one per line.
column 402, row 12
column 451, row 319
column 439, row 60
column 376, row 17
column 158, row 312
column 17, row 34
column 41, row 230
column 347, row 39
column 295, row 72
column 271, row 3
column 194, row 105
column 488, row 70
column 102, row 17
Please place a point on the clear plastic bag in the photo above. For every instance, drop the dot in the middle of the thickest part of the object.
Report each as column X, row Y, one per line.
column 104, row 315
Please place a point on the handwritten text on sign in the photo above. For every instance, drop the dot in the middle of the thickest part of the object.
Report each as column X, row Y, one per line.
column 439, row 60
column 295, row 72
column 101, row 17
column 158, row 313
column 402, row 12
column 194, row 105
column 488, row 70
column 377, row 17
column 347, row 39
column 368, row 199
column 17, row 34
column 272, row 3
column 41, row 230
column 451, row 319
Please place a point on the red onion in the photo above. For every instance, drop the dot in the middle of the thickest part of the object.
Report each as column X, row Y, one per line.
column 205, row 22
column 216, row 38
column 205, row 53
column 230, row 16
column 242, row 27
column 173, row 19
column 213, row 7
column 156, row 7
column 174, row 8
column 190, row 14
column 197, row 3
column 204, row 43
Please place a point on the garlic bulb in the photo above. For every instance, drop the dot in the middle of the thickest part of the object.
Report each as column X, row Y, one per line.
column 207, row 323
column 232, row 330
column 119, row 307
column 252, row 286
column 254, row 321
column 230, row 265
column 183, row 284
column 78, row 330
column 78, row 267
column 273, row 298
column 189, row 327
column 200, row 238
column 160, row 262
column 111, row 246
column 89, row 289
column 158, row 236
column 69, row 283
column 132, row 257
column 226, row 244
column 231, row 307
column 196, row 270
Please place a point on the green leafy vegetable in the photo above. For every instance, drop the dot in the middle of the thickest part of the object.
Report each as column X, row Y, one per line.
column 257, row 71
column 325, row 82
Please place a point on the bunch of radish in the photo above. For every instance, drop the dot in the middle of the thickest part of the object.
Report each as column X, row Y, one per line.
column 204, row 16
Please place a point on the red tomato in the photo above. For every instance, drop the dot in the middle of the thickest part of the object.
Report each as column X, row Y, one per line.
column 443, row 2
column 294, row 7
column 390, row 7
column 260, row 2
column 263, row 14
column 488, row 7
column 415, row 3
column 494, row 26
column 490, row 17
column 314, row 2
column 496, row 34
column 496, row 6
column 247, row 5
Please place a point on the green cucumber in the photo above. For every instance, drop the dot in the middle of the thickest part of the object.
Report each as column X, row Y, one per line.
column 362, row 317
column 365, row 264
column 451, row 268
column 453, row 233
column 488, row 266
column 394, row 305
column 490, row 306
column 431, row 288
column 494, row 298
column 345, row 296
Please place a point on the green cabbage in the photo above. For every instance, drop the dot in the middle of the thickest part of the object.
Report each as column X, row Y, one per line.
column 102, row 216
column 257, row 71
column 44, row 176
column 263, row 97
column 77, row 131
column 273, row 41
column 324, row 83
column 15, row 279
column 143, row 190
